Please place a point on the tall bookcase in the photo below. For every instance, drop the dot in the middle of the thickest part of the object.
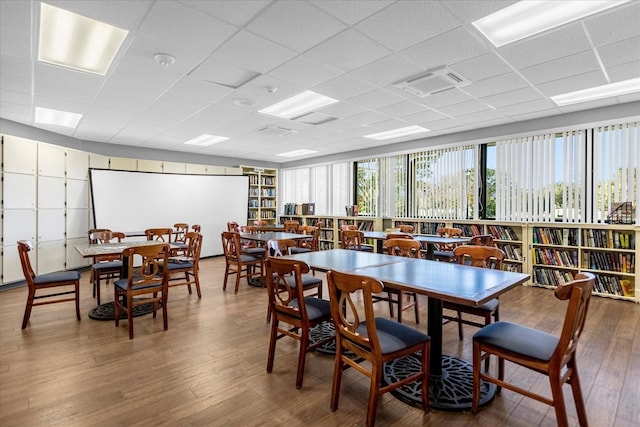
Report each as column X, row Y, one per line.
column 263, row 202
column 330, row 230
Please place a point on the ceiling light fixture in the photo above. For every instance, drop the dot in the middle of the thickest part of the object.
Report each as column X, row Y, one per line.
column 526, row 18
column 298, row 105
column 598, row 92
column 206, row 140
column 395, row 133
column 165, row 60
column 47, row 116
column 296, row 153
column 75, row 41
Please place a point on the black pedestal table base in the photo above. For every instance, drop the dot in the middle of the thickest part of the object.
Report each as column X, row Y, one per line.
column 106, row 311
column 451, row 391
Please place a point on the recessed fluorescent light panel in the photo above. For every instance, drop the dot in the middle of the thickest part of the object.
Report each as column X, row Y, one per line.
column 46, row 116
column 298, row 105
column 296, row 153
column 71, row 40
column 526, row 18
column 598, row 92
column 206, row 140
column 395, row 133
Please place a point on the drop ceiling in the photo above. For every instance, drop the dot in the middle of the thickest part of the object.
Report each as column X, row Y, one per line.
column 233, row 58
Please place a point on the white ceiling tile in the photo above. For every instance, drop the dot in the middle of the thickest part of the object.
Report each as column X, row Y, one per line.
column 109, row 11
column 368, row 118
column 401, row 109
column 445, row 49
column 253, row 53
column 305, row 71
column 462, row 108
column 614, row 25
column 535, row 115
column 425, row 116
column 483, row 116
column 470, row 11
column 631, row 97
column 376, row 99
column 15, row 97
column 563, row 67
column 174, row 24
column 565, row 41
column 528, row 107
column 481, row 67
column 235, row 12
column 344, row 109
column 348, row 50
column 630, row 70
column 388, row 70
column 499, row 84
column 16, row 67
column 15, row 30
column 620, row 52
column 143, row 50
column 406, row 23
column 446, row 97
column 257, row 89
column 573, row 83
column 349, row 11
column 343, row 87
column 518, row 96
column 219, row 72
column 93, row 132
column 447, row 124
column 296, row 25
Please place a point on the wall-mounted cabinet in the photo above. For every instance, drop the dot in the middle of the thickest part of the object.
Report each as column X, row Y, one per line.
column 263, row 201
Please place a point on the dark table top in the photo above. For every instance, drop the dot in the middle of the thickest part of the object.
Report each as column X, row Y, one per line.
column 272, row 235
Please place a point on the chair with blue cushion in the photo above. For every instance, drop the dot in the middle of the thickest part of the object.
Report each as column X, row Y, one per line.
column 291, row 307
column 238, row 263
column 144, row 278
column 354, row 240
column 539, row 351
column 104, row 267
column 409, row 248
column 372, row 339
column 36, row 284
column 183, row 269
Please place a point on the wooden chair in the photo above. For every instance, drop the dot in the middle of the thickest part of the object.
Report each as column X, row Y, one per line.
column 107, row 267
column 160, row 235
column 311, row 244
column 145, row 277
column 196, row 227
column 445, row 252
column 406, row 228
column 291, row 226
column 354, row 240
column 260, row 222
column 402, row 235
column 407, row 248
column 374, row 340
column 480, row 256
column 40, row 282
column 238, row 263
column 289, row 305
column 280, row 247
column 537, row 350
column 248, row 247
column 186, row 264
column 482, row 240
column 179, row 238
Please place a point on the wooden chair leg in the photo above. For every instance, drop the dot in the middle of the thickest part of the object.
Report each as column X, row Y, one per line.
column 374, row 394
column 226, row 276
column 400, row 294
column 27, row 309
column 165, row 318
column 77, row 295
column 197, row 282
column 558, row 400
column 577, row 392
column 302, row 357
column 238, row 279
column 460, row 333
column 475, row 402
column 416, row 308
column 273, row 337
column 337, row 378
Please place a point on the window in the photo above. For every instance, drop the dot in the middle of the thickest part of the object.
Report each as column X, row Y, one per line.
column 367, row 186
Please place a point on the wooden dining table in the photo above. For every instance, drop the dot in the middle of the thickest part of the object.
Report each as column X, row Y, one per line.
column 430, row 241
column 451, row 378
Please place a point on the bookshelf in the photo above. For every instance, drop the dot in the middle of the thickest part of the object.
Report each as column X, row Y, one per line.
column 330, row 230
column 262, row 194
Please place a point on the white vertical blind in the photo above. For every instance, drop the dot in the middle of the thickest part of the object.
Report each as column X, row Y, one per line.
column 368, row 180
column 341, row 187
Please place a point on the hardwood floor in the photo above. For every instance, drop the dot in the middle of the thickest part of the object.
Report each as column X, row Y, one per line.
column 209, row 368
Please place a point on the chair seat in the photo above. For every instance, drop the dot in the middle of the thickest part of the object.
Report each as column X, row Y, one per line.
column 253, row 251
column 249, row 258
column 489, row 306
column 58, row 276
column 316, row 307
column 443, row 254
column 124, row 283
column 299, row 250
column 519, row 339
column 307, row 281
column 110, row 265
column 394, row 336
column 178, row 264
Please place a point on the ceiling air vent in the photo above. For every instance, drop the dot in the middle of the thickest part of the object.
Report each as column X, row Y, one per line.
column 275, row 131
column 433, row 81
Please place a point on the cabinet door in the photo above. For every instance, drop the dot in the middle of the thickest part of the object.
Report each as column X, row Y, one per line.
column 51, row 193
column 196, row 169
column 77, row 194
column 51, row 257
column 20, row 155
column 51, row 225
column 77, row 165
column 98, row 161
column 19, row 224
column 77, row 221
column 73, row 257
column 11, row 268
column 19, row 191
column 149, row 166
column 173, row 167
column 51, row 160
column 120, row 163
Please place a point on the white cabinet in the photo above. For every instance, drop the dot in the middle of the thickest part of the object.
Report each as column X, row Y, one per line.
column 20, row 155
column 19, row 191
column 51, row 194
column 51, row 160
column 51, row 224
column 77, row 165
column 19, row 224
column 50, row 257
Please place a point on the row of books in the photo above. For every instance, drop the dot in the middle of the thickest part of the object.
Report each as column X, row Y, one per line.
column 263, row 215
column 614, row 285
column 326, row 235
column 351, row 210
column 611, row 239
column 512, row 251
column 262, row 180
column 299, row 208
column 430, row 227
column 555, row 257
column 501, row 232
column 469, row 229
column 610, row 261
column 548, row 277
column 555, row 236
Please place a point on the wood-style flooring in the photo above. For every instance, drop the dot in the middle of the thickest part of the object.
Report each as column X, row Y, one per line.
column 209, row 368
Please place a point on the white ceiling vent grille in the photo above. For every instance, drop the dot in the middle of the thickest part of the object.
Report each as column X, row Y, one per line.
column 434, row 81
column 275, row 131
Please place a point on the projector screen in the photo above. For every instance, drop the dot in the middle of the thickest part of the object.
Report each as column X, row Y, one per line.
column 134, row 201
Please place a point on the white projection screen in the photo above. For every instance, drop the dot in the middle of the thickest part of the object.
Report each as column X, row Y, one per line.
column 134, row 201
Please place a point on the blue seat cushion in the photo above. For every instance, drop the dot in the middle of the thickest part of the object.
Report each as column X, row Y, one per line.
column 490, row 305
column 249, row 258
column 394, row 336
column 110, row 265
column 299, row 250
column 58, row 276
column 443, row 254
column 306, row 281
column 124, row 283
column 253, row 251
column 316, row 307
column 175, row 264
column 518, row 339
